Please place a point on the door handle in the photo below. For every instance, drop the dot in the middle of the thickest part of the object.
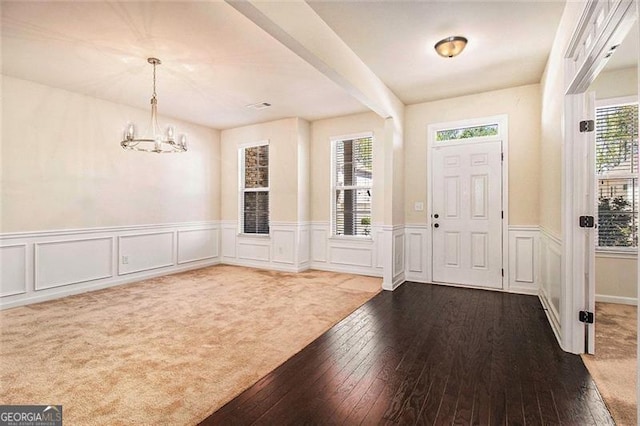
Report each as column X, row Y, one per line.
column 436, row 215
column 435, row 225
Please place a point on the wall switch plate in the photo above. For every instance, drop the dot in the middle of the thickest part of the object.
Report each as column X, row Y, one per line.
column 418, row 206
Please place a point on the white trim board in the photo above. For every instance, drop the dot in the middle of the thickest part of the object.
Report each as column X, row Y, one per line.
column 617, row 299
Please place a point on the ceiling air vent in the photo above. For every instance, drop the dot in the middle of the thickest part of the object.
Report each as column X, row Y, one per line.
column 259, row 105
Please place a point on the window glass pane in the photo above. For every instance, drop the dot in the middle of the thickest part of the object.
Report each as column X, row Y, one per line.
column 353, row 212
column 617, row 192
column 256, row 212
column 617, row 212
column 616, row 139
column 256, row 167
column 467, row 132
column 354, row 162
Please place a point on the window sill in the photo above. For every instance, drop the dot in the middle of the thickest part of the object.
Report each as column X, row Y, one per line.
column 257, row 236
column 362, row 238
column 617, row 253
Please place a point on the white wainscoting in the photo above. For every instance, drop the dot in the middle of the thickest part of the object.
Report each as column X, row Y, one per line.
column 39, row 266
column 13, row 270
column 198, row 244
column 551, row 278
column 143, row 252
column 418, row 267
column 354, row 255
column 66, row 262
column 523, row 257
column 286, row 248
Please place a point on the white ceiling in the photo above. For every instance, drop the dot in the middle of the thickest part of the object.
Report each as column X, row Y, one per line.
column 216, row 61
column 509, row 42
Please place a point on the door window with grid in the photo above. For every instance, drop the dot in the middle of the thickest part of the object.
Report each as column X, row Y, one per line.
column 255, row 189
column 617, row 175
column 352, row 180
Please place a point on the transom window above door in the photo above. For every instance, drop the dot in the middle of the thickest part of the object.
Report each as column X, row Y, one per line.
column 467, row 132
column 472, row 130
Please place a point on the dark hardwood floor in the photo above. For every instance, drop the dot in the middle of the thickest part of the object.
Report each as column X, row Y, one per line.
column 427, row 354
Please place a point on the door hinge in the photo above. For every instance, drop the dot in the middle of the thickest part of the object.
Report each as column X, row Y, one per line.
column 586, row 317
column 502, row 214
column 502, row 156
column 502, row 272
column 587, row 126
column 587, row 222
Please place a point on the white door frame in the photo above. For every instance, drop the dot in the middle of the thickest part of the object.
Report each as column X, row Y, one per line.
column 503, row 135
column 601, row 26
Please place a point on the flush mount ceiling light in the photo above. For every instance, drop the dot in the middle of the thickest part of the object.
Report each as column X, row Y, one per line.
column 451, row 46
column 154, row 141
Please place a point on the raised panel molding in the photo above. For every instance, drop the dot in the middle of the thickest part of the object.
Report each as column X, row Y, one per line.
column 13, row 269
column 524, row 259
column 284, row 247
column 40, row 266
column 551, row 278
column 66, row 262
column 305, row 246
column 351, row 256
column 197, row 244
column 417, row 267
column 145, row 252
column 229, row 241
column 398, row 253
column 319, row 238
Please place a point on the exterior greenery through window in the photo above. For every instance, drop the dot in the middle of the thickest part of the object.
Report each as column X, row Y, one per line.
column 352, row 186
column 255, row 190
column 466, row 132
column 617, row 174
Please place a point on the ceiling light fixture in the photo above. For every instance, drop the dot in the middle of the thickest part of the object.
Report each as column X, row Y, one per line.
column 451, row 46
column 155, row 141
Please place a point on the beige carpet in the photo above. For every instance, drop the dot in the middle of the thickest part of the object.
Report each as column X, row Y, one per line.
column 613, row 367
column 169, row 350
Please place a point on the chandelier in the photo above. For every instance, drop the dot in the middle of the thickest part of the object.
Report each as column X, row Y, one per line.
column 155, row 141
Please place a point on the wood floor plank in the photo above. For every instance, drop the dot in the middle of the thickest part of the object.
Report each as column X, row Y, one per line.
column 427, row 354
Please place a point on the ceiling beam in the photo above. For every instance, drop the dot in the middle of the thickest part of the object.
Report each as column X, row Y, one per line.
column 297, row 26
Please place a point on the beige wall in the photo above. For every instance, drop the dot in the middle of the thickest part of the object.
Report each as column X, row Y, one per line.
column 552, row 130
column 321, row 133
column 63, row 167
column 521, row 104
column 616, row 84
column 616, row 277
column 286, row 144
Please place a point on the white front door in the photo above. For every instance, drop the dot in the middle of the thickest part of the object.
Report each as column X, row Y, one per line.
column 467, row 214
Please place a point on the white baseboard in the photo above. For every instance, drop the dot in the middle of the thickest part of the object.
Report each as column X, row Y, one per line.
column 617, row 299
column 552, row 316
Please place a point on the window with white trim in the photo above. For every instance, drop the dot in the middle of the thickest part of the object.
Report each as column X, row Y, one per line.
column 352, row 185
column 467, row 132
column 255, row 189
column 617, row 175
